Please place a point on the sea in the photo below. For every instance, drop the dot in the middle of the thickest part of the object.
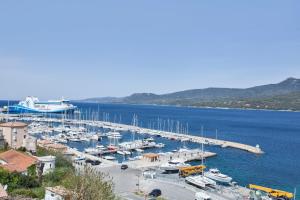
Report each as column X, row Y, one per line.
column 276, row 132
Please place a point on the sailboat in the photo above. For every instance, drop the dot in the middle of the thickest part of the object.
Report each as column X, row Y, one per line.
column 201, row 180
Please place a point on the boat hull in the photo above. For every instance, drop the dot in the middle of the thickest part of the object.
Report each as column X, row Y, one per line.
column 17, row 109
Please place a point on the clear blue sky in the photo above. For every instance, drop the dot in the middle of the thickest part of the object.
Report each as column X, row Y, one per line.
column 80, row 49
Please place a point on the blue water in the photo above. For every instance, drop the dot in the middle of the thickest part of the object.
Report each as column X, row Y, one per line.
column 278, row 134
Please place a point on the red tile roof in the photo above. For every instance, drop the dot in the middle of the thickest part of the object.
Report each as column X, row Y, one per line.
column 16, row 161
column 14, row 124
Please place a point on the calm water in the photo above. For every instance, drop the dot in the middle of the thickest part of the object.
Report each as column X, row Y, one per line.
column 278, row 134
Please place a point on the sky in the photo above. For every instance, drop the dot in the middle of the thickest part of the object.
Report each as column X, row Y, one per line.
column 81, row 49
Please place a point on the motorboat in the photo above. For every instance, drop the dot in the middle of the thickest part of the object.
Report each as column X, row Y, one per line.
column 92, row 151
column 109, row 158
column 216, row 175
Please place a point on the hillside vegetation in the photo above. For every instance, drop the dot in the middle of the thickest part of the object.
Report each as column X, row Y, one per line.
column 281, row 96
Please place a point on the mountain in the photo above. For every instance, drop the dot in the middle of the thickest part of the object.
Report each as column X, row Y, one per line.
column 288, row 90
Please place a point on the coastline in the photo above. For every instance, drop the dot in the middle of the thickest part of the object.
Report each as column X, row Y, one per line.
column 182, row 106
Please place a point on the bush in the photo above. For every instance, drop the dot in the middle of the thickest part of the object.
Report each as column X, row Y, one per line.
column 17, row 180
column 57, row 175
column 24, row 192
column 90, row 185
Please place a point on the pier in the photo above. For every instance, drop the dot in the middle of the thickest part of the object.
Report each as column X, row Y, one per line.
column 140, row 130
column 159, row 159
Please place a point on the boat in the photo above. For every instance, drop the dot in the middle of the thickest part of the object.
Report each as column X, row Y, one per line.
column 160, row 145
column 216, row 175
column 101, row 147
column 109, row 158
column 121, row 153
column 33, row 105
column 200, row 181
column 173, row 165
column 92, row 151
column 114, row 135
column 127, row 152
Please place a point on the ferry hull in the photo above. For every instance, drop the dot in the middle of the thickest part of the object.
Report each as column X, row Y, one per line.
column 20, row 109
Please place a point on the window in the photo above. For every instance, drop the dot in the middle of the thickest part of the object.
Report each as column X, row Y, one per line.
column 24, row 136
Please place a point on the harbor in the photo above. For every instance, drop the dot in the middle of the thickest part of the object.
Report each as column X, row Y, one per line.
column 134, row 129
column 154, row 157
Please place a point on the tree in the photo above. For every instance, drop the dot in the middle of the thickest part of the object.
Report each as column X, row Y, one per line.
column 90, row 185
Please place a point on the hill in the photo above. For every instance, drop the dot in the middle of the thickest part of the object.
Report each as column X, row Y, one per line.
column 283, row 95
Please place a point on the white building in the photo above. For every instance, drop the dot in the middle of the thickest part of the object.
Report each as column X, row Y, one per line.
column 57, row 193
column 48, row 162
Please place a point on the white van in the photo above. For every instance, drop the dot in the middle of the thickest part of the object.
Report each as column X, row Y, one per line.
column 202, row 196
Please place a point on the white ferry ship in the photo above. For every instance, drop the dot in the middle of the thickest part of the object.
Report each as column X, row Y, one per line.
column 33, row 105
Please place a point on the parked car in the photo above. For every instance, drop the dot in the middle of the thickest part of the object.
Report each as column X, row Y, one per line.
column 155, row 193
column 96, row 162
column 124, row 166
column 93, row 162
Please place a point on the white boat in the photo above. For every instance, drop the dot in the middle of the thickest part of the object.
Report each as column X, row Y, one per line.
column 216, row 175
column 62, row 141
column 114, row 135
column 121, row 152
column 109, row 158
column 160, row 145
column 173, row 165
column 127, row 152
column 201, row 181
column 101, row 147
column 139, row 150
column 92, row 151
column 33, row 105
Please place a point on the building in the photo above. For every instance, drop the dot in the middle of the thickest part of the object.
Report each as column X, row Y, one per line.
column 30, row 143
column 15, row 161
column 52, row 146
column 16, row 136
column 48, row 163
column 3, row 193
column 2, row 140
column 15, row 133
column 57, row 193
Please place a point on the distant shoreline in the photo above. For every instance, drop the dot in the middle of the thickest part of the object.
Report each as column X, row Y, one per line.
column 205, row 107
column 166, row 105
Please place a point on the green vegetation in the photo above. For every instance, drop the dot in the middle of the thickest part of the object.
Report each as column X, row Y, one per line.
column 89, row 185
column 17, row 180
column 281, row 96
column 32, row 185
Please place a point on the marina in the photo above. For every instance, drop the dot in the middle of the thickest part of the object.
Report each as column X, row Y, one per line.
column 141, row 149
column 134, row 129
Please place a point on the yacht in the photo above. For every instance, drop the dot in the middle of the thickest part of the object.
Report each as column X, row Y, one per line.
column 92, row 151
column 114, row 135
column 33, row 105
column 173, row 165
column 216, row 175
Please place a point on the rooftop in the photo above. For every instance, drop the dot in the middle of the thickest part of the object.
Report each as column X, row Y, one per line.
column 59, row 190
column 14, row 124
column 16, row 161
column 47, row 158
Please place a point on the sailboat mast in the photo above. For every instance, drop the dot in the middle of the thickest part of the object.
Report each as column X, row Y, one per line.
column 202, row 149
